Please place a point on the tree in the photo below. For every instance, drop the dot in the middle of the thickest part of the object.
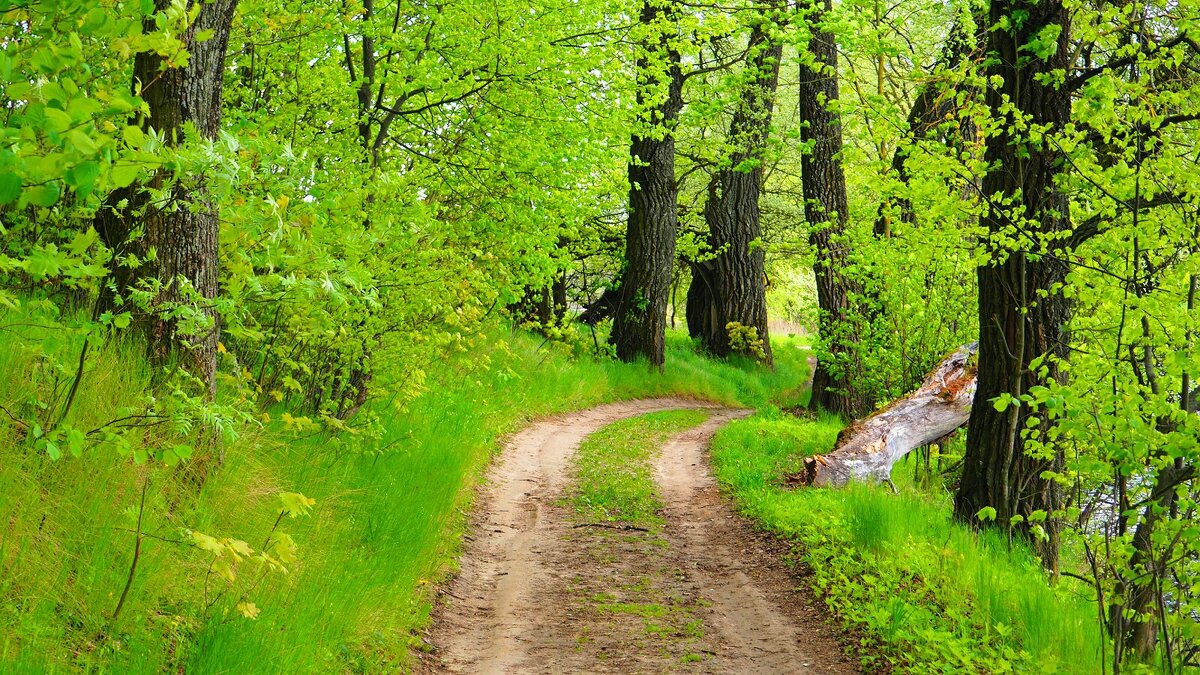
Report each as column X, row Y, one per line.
column 1023, row 313
column 826, row 208
column 170, row 247
column 730, row 287
column 936, row 103
column 434, row 159
column 640, row 316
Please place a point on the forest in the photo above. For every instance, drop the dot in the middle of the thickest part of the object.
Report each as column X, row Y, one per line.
column 283, row 281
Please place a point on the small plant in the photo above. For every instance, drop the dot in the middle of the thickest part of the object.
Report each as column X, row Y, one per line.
column 745, row 340
column 228, row 555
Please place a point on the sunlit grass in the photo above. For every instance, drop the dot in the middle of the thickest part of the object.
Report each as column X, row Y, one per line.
column 613, row 469
column 385, row 529
column 928, row 592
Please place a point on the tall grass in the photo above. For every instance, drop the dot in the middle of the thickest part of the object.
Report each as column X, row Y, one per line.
column 928, row 594
column 386, row 527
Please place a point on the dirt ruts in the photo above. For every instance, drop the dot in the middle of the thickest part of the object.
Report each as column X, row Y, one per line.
column 536, row 595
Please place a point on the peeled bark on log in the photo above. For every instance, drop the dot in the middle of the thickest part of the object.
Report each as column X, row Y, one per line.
column 867, row 449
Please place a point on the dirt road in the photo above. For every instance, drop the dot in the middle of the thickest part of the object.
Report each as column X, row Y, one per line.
column 536, row 594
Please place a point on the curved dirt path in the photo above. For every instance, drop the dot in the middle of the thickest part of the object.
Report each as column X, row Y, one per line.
column 537, row 595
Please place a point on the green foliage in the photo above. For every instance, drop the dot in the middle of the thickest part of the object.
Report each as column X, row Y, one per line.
column 926, row 595
column 361, row 567
column 745, row 340
column 375, row 221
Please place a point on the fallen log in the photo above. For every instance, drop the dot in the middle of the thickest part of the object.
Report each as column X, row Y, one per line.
column 867, row 449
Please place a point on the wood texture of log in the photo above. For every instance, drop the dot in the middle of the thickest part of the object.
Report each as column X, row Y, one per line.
column 867, row 449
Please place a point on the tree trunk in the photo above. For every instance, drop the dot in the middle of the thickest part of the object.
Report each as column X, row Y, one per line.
column 544, row 306
column 184, row 234
column 601, row 308
column 738, row 279
column 1022, row 313
column 825, row 208
column 701, row 301
column 1141, row 631
column 936, row 102
column 640, row 317
column 867, row 449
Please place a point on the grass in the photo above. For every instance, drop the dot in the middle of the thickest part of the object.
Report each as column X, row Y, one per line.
column 924, row 593
column 613, row 479
column 386, row 527
column 613, row 483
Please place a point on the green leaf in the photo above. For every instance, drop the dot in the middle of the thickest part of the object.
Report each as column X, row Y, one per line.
column 10, row 187
column 83, row 177
column 75, row 441
column 986, row 514
column 83, row 241
column 1003, row 401
column 134, row 136
column 125, row 173
column 44, row 195
column 296, row 504
column 82, row 142
column 173, row 456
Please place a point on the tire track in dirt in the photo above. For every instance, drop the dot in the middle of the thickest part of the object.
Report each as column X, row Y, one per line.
column 515, row 605
column 760, row 622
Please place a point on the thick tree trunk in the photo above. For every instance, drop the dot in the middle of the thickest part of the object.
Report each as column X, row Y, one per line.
column 184, row 233
column 734, row 282
column 1022, row 312
column 640, row 316
column 825, row 208
column 867, row 449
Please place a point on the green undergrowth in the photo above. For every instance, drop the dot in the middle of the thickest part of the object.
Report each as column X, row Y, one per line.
column 922, row 594
column 385, row 527
column 614, row 481
column 633, row 590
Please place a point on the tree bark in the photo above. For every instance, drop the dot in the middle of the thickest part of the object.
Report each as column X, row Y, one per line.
column 701, row 302
column 825, row 208
column 183, row 234
column 732, row 286
column 867, row 449
column 640, row 316
column 1141, row 631
column 1022, row 313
